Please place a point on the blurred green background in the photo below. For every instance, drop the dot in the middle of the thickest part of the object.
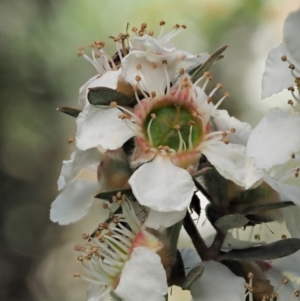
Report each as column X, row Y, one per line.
column 40, row 71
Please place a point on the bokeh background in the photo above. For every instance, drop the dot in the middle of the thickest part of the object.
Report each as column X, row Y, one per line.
column 40, row 71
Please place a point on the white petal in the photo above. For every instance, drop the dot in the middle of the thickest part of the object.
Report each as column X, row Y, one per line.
column 109, row 79
column 218, row 283
column 79, row 160
column 143, row 277
column 288, row 264
column 73, row 202
column 292, row 218
column 287, row 192
column 153, row 79
column 162, row 186
column 277, row 75
column 284, row 291
column 153, row 44
column 100, row 125
column 224, row 122
column 274, row 139
column 95, row 292
column 232, row 163
column 291, row 36
column 157, row 220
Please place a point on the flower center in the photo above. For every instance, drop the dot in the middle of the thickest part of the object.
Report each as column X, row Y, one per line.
column 173, row 126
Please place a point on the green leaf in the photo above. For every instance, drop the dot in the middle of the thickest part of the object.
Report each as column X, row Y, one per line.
column 69, row 111
column 264, row 207
column 173, row 233
column 197, row 72
column 271, row 251
column 104, row 96
column 107, row 195
column 194, row 274
column 231, row 221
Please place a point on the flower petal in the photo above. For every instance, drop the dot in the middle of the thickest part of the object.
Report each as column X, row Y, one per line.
column 274, row 139
column 277, row 75
column 224, row 122
column 291, row 218
column 162, row 186
column 152, row 79
column 143, row 277
column 291, row 36
column 73, row 202
column 79, row 160
column 157, row 220
column 232, row 163
column 217, row 281
column 100, row 125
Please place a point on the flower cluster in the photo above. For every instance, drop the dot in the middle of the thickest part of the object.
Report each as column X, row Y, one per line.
column 151, row 143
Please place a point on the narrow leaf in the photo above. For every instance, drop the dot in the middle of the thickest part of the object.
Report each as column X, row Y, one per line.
column 196, row 74
column 69, row 111
column 264, row 207
column 173, row 233
column 231, row 221
column 271, row 251
column 104, row 96
column 194, row 274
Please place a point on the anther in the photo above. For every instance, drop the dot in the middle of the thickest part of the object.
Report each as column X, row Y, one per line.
column 226, row 94
column 71, row 140
column 191, row 122
column 283, row 236
column 297, row 293
column 226, row 140
column 85, row 236
column 290, row 102
column 105, row 206
column 176, row 26
column 284, row 58
column 181, row 71
column 151, row 33
column 97, row 55
column 134, row 29
column 162, row 23
column 291, row 89
column 285, row 281
column 80, row 53
column 153, row 65
column 92, row 45
column 165, row 62
column 135, row 88
column 257, row 236
column 113, row 104
column 183, row 26
column 209, row 99
column 138, row 78
column 153, row 115
column 138, row 67
column 77, row 274
column 177, row 127
column 224, row 134
column 80, row 258
column 143, row 25
column 293, row 156
column 219, row 86
column 122, row 116
column 232, row 130
column 292, row 66
column 250, row 275
column 153, row 94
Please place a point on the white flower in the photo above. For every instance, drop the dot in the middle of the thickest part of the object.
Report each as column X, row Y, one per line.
column 82, row 177
column 217, row 281
column 123, row 259
column 283, row 63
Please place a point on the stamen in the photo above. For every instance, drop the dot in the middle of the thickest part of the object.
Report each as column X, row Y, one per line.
column 153, row 116
column 226, row 95
column 218, row 86
column 191, row 124
column 167, row 75
column 161, row 24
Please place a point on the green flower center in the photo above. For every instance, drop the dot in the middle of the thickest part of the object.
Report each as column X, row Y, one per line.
column 174, row 126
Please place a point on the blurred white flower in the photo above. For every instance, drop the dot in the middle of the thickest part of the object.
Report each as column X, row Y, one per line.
column 283, row 63
column 123, row 259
